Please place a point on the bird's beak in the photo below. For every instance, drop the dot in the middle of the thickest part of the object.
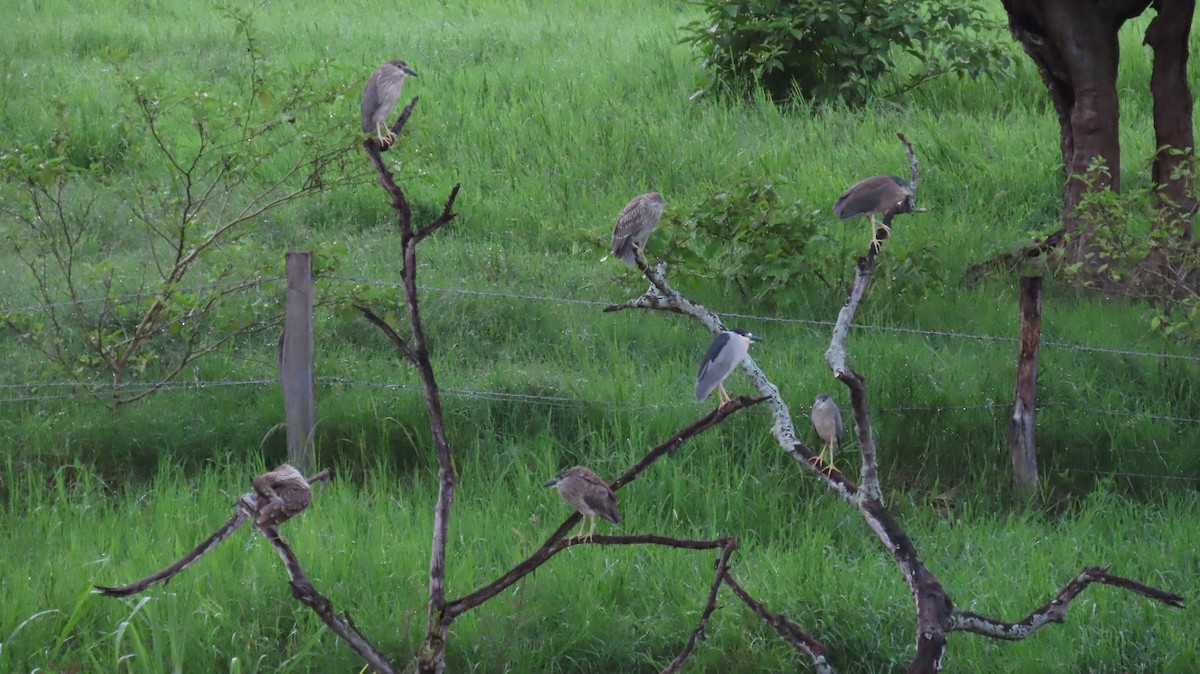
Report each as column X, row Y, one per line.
column 409, row 71
column 551, row 483
column 755, row 338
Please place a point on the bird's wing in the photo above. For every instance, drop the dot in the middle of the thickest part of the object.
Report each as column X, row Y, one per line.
column 629, row 223
column 370, row 101
column 837, row 419
column 604, row 505
column 705, row 383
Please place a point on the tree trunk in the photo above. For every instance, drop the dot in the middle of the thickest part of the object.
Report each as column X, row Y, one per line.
column 1075, row 47
column 1167, row 35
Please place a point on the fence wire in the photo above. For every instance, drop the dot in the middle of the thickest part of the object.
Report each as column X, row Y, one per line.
column 34, row 392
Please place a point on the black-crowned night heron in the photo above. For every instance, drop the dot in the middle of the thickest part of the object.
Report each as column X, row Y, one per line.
column 282, row 494
column 827, row 422
column 728, row 351
column 588, row 494
column 877, row 194
column 380, row 96
column 635, row 223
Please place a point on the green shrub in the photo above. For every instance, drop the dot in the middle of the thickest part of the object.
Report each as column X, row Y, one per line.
column 828, row 50
column 744, row 237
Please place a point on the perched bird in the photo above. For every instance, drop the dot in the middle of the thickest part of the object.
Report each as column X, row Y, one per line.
column 728, row 351
column 588, row 494
column 639, row 218
column 282, row 494
column 886, row 195
column 827, row 422
column 380, row 96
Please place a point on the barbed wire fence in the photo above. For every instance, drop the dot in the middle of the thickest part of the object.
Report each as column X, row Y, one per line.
column 40, row 392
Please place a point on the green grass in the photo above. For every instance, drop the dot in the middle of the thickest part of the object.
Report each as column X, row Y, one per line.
column 590, row 609
column 552, row 115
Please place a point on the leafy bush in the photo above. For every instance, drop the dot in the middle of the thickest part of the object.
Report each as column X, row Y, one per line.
column 1136, row 251
column 744, row 237
column 829, row 50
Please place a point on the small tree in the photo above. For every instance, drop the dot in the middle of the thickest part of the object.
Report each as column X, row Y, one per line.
column 207, row 167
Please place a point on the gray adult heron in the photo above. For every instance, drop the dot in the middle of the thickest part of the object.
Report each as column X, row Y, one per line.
column 380, row 96
column 827, row 422
column 588, row 494
column 727, row 351
column 878, row 194
column 639, row 217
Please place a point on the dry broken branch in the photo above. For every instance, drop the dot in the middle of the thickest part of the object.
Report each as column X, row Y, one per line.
column 787, row 629
column 1056, row 610
column 934, row 607
column 554, row 542
column 722, row 566
column 305, row 593
column 247, row 505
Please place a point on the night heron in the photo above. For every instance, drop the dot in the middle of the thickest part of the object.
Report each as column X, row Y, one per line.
column 282, row 494
column 380, row 96
column 588, row 494
column 827, row 422
column 635, row 223
column 886, row 195
column 728, row 351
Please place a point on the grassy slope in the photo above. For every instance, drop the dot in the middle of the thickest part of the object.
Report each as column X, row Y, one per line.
column 552, row 116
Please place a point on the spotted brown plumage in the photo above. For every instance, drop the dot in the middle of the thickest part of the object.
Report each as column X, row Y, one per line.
column 588, row 494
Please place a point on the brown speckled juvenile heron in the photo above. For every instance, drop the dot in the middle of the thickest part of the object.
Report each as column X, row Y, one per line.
column 380, row 96
column 827, row 422
column 588, row 494
column 727, row 351
column 878, row 194
column 639, row 218
column 282, row 494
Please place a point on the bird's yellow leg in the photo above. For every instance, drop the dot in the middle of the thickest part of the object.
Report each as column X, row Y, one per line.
column 722, row 395
column 832, row 449
column 582, row 524
column 592, row 530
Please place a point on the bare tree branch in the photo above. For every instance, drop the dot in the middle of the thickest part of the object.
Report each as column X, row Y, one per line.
column 247, row 505
column 1056, row 610
column 305, row 593
column 549, row 548
column 389, row 331
column 787, row 629
column 721, row 566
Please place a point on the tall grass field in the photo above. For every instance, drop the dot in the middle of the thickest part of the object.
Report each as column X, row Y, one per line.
column 551, row 116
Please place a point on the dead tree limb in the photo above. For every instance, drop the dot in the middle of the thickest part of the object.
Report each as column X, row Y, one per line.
column 934, row 606
column 787, row 629
column 722, row 567
column 247, row 505
column 554, row 542
column 1056, row 610
column 305, row 593
column 432, row 657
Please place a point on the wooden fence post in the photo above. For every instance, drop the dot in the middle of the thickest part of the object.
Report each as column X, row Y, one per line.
column 1022, row 435
column 296, row 360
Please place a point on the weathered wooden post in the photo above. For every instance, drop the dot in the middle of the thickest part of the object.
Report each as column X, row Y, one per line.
column 1022, row 436
column 296, row 360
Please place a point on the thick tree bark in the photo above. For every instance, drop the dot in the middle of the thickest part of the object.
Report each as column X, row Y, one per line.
column 1074, row 45
column 1168, row 37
